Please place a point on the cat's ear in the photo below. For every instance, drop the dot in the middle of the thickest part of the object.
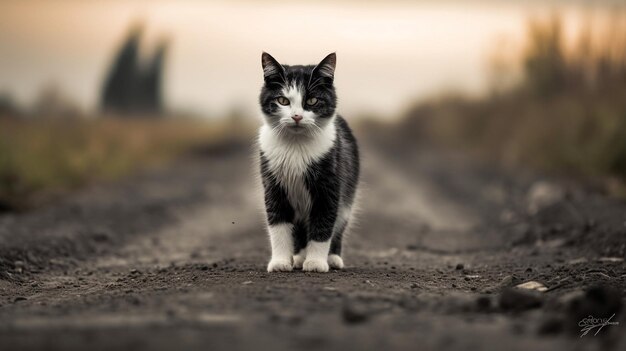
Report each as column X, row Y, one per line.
column 326, row 68
column 272, row 70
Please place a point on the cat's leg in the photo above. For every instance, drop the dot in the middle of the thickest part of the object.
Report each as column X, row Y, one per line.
column 281, row 240
column 321, row 223
column 316, row 256
column 280, row 227
column 334, row 258
column 299, row 239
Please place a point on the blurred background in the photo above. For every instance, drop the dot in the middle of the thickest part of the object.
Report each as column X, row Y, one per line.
column 93, row 90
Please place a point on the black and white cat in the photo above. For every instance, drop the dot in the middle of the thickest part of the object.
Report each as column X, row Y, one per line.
column 309, row 166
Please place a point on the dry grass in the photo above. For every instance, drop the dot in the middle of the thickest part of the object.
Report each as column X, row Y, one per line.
column 43, row 157
column 567, row 114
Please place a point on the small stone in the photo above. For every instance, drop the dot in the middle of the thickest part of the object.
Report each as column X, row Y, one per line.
column 414, row 286
column 247, row 282
column 19, row 298
column 532, row 285
column 459, row 266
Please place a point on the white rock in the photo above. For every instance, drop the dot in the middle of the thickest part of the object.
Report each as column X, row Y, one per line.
column 532, row 285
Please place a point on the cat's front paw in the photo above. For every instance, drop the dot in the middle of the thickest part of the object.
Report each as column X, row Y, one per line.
column 279, row 265
column 311, row 265
column 335, row 261
column 298, row 260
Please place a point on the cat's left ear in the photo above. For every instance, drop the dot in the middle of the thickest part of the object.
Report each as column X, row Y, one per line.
column 326, row 68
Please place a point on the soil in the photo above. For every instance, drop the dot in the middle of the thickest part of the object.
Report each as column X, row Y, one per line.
column 175, row 258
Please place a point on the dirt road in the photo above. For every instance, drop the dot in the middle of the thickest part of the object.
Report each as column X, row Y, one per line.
column 175, row 259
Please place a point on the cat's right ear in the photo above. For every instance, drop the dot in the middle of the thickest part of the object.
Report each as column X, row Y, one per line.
column 273, row 72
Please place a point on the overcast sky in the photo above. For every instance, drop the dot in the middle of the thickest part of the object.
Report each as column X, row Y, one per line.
column 389, row 53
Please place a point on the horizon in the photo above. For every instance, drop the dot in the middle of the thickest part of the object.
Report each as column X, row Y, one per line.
column 389, row 55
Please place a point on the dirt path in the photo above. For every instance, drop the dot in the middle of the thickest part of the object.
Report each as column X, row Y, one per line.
column 176, row 259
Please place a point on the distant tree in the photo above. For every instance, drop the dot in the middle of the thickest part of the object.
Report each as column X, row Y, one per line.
column 544, row 62
column 131, row 87
column 151, row 81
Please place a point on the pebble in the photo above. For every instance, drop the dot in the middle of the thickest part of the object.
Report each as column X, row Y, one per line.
column 532, row 285
column 459, row 266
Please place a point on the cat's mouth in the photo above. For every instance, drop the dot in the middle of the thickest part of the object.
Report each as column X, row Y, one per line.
column 297, row 128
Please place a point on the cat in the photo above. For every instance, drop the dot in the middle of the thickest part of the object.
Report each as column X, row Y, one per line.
column 309, row 162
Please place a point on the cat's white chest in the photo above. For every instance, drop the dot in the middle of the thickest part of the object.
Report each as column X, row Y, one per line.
column 289, row 162
column 292, row 180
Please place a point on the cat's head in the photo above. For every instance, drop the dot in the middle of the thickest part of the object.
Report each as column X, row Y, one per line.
column 298, row 99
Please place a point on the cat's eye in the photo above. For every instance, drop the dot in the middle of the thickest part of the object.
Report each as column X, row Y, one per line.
column 311, row 101
column 282, row 100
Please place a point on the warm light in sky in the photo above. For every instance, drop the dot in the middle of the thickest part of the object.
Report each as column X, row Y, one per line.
column 389, row 53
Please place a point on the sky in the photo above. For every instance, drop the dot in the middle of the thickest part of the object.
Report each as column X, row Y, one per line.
column 389, row 53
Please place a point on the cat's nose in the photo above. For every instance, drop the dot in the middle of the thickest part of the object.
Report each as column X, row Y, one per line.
column 297, row 118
